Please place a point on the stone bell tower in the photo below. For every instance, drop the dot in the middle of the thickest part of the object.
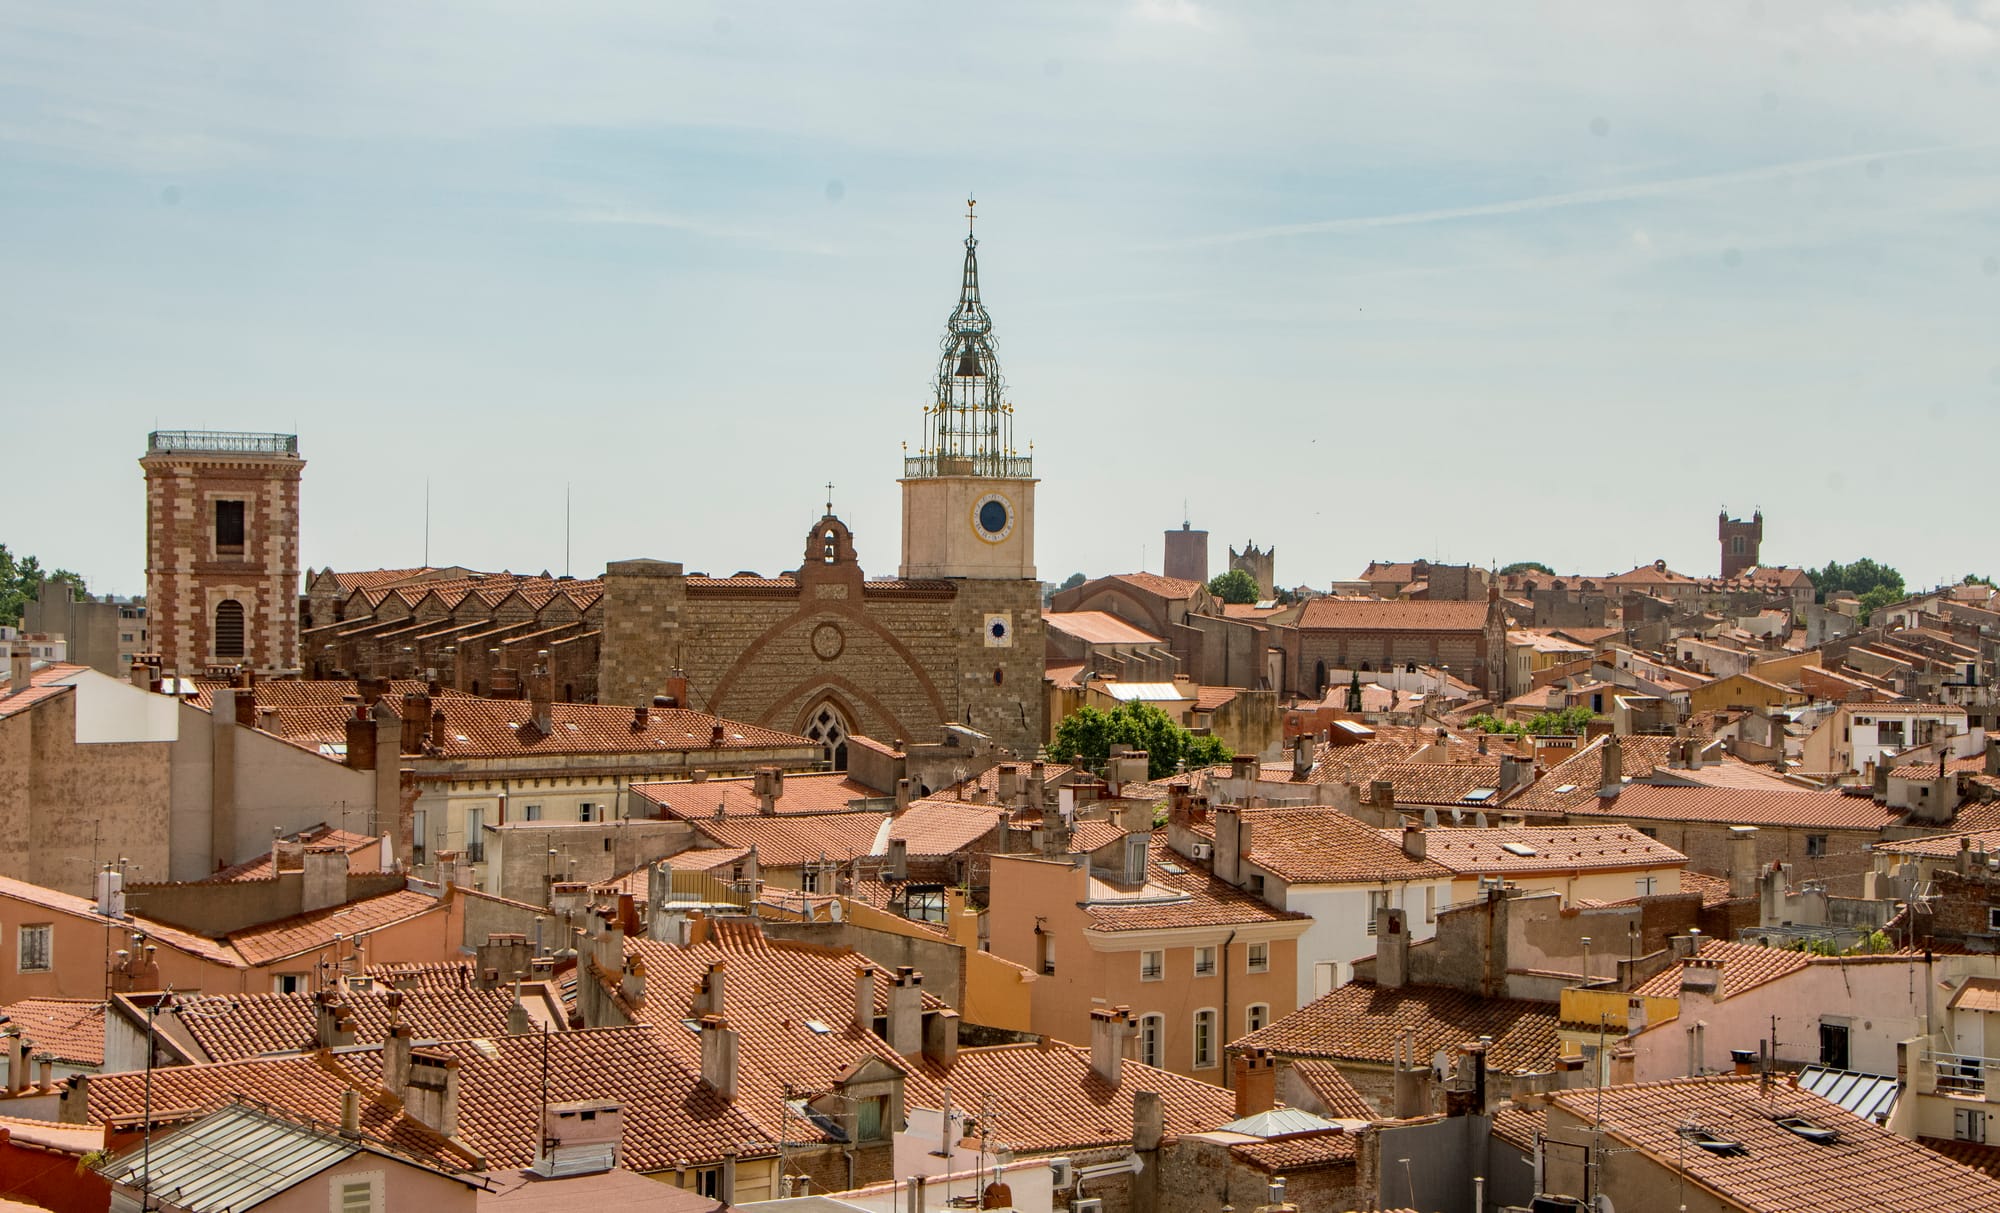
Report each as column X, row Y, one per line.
column 969, row 519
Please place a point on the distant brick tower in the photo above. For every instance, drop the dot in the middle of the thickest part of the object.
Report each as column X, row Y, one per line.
column 1187, row 554
column 1261, row 565
column 1740, row 541
column 222, row 549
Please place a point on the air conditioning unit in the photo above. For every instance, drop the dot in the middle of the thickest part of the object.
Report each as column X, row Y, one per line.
column 1089, row 1204
column 1203, row 850
column 1061, row 1172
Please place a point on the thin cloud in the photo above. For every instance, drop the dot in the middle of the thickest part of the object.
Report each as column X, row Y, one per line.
column 698, row 227
column 1591, row 197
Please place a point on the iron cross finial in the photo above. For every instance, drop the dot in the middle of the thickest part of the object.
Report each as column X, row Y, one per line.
column 829, row 498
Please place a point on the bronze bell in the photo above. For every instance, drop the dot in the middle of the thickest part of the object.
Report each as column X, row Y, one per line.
column 968, row 362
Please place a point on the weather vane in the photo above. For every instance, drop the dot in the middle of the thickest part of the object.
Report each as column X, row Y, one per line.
column 970, row 202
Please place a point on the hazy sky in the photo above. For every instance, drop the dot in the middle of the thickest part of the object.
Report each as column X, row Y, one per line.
column 1473, row 282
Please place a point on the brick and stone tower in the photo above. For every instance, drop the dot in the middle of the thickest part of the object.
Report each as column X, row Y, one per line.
column 1262, row 565
column 1187, row 554
column 969, row 518
column 1740, row 541
column 222, row 549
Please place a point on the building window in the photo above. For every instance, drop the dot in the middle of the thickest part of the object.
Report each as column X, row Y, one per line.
column 1968, row 1124
column 288, row 983
column 1045, row 949
column 1152, row 1040
column 1257, row 958
column 1204, row 962
column 229, row 528
column 531, row 812
column 419, row 835
column 706, row 1181
column 586, row 811
column 1645, row 886
column 1257, row 1016
column 1152, row 966
column 1378, row 900
column 1993, row 918
column 1204, row 1039
column 1815, row 846
column 38, row 947
column 868, row 1118
column 1833, row 1045
column 475, row 837
column 229, row 628
column 809, row 880
column 828, row 726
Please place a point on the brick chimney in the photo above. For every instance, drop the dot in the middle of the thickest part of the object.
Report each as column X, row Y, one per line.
column 1302, row 758
column 360, row 740
column 1392, row 949
column 1743, row 861
column 396, row 1055
column 902, row 794
column 906, row 1012
column 325, row 878
column 769, row 785
column 1416, row 842
column 20, row 671
column 677, row 689
column 431, row 1092
column 1232, row 844
column 899, row 859
column 1256, row 1082
column 440, row 729
column 416, row 720
column 714, row 989
column 941, row 1036
column 541, row 699
column 718, row 1055
column 1110, row 1039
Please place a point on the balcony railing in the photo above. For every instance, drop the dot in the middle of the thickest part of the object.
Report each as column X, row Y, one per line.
column 994, row 467
column 221, row 442
column 1961, row 1073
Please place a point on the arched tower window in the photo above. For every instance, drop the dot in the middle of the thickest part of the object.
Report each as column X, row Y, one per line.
column 827, row 724
column 229, row 628
column 1319, row 677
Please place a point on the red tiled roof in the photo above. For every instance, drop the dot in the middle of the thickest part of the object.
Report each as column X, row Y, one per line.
column 790, row 842
column 1741, row 806
column 1047, row 1098
column 320, row 835
column 502, row 728
column 943, row 827
column 1477, row 852
column 1945, row 846
column 1298, row 1152
column 1980, row 1157
column 255, row 1025
column 43, row 685
column 70, row 1029
column 1322, row 845
column 272, row 941
column 1573, row 782
column 1096, row 627
column 1364, row 1023
column 1347, row 614
column 1778, row 1171
column 1208, row 901
column 1153, row 583
column 812, row 792
column 1341, row 1098
column 1744, row 966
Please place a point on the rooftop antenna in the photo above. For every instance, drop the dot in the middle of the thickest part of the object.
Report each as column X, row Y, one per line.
column 565, row 528
column 427, row 522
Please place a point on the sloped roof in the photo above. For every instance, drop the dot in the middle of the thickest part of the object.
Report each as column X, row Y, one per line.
column 808, row 792
column 1362, row 615
column 156, row 932
column 1501, row 850
column 69, row 1029
column 1778, row 1171
column 1178, row 893
column 1046, row 1097
column 1744, row 966
column 790, row 842
column 271, row 941
column 1322, row 845
column 1361, row 1022
column 1742, row 806
column 1096, row 627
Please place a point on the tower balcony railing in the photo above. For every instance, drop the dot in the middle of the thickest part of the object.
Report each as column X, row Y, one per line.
column 997, row 467
column 222, row 442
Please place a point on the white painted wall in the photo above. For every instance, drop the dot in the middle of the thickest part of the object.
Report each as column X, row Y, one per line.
column 111, row 710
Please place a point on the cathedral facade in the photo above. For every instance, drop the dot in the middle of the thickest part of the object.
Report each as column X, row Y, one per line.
column 955, row 637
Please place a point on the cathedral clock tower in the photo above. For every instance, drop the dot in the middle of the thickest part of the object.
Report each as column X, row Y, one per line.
column 969, row 518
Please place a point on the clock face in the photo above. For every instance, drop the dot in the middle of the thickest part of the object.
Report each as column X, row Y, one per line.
column 993, row 518
column 999, row 632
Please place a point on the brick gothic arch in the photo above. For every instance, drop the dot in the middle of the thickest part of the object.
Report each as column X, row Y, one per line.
column 829, row 722
column 803, row 619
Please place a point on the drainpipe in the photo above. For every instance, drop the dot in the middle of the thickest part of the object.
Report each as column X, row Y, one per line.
column 1222, row 1029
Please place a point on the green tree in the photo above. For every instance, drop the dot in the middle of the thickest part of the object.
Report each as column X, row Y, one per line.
column 21, row 579
column 1235, row 587
column 1354, row 691
column 1528, row 566
column 1976, row 579
column 1085, row 737
column 1072, row 581
column 1568, row 722
column 1857, row 578
column 1879, row 597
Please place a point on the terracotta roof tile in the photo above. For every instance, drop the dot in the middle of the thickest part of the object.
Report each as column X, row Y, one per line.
column 1341, row 1099
column 304, row 932
column 45, row 682
column 320, row 835
column 943, row 827
column 1744, row 966
column 70, row 1029
column 1325, row 846
column 790, row 842
column 255, row 1025
column 1469, row 851
column 502, row 728
column 1298, row 1152
column 1097, row 627
column 1202, row 901
column 1742, row 806
column 1346, row 614
column 156, row 932
column 1047, row 1098
column 1866, row 1167
column 1364, row 1023
column 812, row 792
column 1153, row 583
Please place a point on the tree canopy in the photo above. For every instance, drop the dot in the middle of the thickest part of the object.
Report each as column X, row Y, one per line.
column 1528, row 566
column 1072, row 581
column 1235, row 587
column 1857, row 578
column 1085, row 737
column 1567, row 722
column 21, row 579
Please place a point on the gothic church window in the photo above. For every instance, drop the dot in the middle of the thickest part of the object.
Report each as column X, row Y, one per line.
column 828, row 726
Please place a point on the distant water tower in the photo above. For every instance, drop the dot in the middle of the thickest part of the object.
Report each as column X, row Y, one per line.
column 1187, row 554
